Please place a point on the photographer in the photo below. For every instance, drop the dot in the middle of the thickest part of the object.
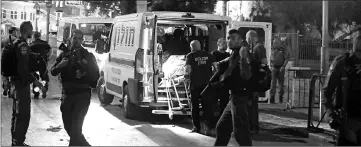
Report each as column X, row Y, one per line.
column 344, row 77
column 79, row 73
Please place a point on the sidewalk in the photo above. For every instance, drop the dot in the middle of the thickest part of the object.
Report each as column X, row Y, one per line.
column 294, row 121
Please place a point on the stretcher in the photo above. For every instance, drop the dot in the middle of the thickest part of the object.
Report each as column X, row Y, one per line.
column 175, row 91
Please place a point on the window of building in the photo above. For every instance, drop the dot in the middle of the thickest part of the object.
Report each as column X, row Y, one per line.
column 34, row 16
column 4, row 13
column 12, row 15
column 22, row 15
column 31, row 16
column 15, row 14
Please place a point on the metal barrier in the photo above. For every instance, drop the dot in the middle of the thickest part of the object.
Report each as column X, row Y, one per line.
column 311, row 101
column 300, row 81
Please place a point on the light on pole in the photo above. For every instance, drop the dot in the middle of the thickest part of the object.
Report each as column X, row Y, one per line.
column 37, row 8
column 48, row 6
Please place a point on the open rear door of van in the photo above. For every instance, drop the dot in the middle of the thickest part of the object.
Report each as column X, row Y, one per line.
column 264, row 31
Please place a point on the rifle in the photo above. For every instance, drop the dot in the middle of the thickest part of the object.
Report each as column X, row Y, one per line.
column 210, row 82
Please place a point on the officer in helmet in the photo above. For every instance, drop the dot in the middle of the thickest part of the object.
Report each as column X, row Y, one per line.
column 344, row 78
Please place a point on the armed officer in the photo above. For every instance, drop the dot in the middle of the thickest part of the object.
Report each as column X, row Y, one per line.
column 236, row 79
column 43, row 48
column 344, row 77
column 21, row 86
column 74, row 66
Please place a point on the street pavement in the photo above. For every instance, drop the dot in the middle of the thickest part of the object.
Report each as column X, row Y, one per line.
column 105, row 126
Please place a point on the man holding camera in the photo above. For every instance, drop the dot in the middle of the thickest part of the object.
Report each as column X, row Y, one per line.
column 79, row 73
column 344, row 77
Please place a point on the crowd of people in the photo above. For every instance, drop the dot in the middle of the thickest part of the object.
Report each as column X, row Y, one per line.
column 23, row 63
column 235, row 77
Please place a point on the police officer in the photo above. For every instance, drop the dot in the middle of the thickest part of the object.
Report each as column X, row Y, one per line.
column 279, row 60
column 345, row 76
column 21, row 87
column 222, row 93
column 43, row 48
column 76, row 90
column 12, row 37
column 258, row 52
column 235, row 115
column 199, row 69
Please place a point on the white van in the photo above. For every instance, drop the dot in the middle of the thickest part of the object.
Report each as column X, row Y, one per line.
column 146, row 58
column 88, row 25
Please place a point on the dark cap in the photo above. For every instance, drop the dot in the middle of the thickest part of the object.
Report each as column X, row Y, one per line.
column 12, row 29
column 77, row 31
column 37, row 34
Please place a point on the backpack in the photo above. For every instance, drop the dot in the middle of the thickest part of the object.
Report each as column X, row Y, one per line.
column 93, row 73
column 9, row 60
column 261, row 77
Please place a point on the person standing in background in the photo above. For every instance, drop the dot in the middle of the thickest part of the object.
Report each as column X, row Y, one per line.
column 258, row 52
column 279, row 60
column 222, row 93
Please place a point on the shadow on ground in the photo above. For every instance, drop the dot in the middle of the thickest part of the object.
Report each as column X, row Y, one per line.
column 286, row 113
column 278, row 133
column 269, row 131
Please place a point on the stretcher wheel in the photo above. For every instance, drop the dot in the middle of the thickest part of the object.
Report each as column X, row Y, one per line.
column 170, row 115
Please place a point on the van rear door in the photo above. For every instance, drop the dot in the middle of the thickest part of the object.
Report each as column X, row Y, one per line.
column 264, row 31
column 150, row 78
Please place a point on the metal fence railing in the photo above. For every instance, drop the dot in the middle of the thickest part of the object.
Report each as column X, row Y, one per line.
column 316, row 121
column 298, row 81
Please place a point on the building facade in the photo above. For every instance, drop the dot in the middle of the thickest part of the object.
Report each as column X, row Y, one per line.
column 13, row 13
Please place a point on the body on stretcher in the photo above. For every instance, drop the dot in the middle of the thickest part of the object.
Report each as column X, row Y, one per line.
column 175, row 91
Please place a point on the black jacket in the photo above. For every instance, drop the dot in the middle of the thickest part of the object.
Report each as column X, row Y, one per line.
column 68, row 74
column 344, row 78
column 42, row 47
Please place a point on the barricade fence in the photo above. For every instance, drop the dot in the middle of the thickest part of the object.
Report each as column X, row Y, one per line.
column 305, row 53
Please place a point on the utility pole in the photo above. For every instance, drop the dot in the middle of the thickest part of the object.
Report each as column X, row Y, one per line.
column 324, row 50
column 37, row 8
column 325, row 38
column 48, row 6
column 224, row 7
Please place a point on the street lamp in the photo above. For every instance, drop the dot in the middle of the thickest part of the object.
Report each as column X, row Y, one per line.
column 37, row 8
column 48, row 5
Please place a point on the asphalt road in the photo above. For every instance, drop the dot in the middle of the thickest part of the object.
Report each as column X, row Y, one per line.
column 105, row 126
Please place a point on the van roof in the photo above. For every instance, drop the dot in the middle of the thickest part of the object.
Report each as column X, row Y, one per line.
column 88, row 19
column 175, row 15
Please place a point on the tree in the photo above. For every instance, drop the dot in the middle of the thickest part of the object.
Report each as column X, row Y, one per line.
column 116, row 7
column 122, row 7
column 297, row 14
column 199, row 6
